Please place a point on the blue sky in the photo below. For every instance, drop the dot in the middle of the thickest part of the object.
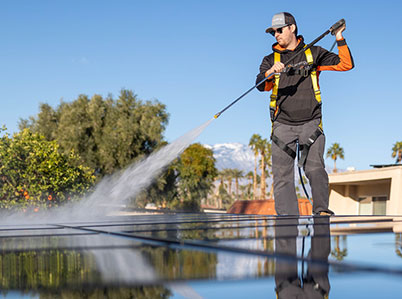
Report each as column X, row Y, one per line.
column 198, row 56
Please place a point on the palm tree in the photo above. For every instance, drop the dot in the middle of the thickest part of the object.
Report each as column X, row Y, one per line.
column 221, row 175
column 250, row 176
column 337, row 252
column 268, row 164
column 335, row 152
column 262, row 147
column 397, row 151
column 237, row 174
column 253, row 144
column 228, row 175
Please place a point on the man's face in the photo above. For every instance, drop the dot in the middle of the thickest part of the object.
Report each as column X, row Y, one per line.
column 284, row 35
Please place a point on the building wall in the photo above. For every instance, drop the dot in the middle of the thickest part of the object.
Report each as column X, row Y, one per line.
column 341, row 202
column 396, row 194
column 347, row 188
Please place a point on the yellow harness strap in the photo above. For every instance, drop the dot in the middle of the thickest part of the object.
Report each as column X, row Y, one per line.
column 274, row 95
column 313, row 75
column 314, row 79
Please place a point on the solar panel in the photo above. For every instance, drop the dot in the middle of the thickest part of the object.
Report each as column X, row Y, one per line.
column 204, row 255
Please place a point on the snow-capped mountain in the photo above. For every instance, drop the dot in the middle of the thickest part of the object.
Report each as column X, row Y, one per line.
column 237, row 155
column 233, row 155
column 240, row 156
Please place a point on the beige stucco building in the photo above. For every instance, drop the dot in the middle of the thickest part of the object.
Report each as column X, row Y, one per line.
column 376, row 191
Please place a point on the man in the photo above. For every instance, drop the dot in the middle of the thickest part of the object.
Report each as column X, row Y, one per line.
column 295, row 109
column 292, row 281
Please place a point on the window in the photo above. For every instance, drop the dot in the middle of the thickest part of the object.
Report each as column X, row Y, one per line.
column 376, row 205
column 365, row 206
column 380, row 205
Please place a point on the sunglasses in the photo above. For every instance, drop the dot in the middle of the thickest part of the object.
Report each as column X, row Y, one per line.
column 279, row 30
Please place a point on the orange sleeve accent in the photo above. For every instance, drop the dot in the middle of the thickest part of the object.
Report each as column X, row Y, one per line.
column 345, row 64
column 269, row 84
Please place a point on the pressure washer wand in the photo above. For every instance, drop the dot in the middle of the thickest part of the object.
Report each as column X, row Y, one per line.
column 332, row 30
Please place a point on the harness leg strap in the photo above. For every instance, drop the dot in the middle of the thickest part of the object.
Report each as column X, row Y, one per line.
column 304, row 148
column 283, row 146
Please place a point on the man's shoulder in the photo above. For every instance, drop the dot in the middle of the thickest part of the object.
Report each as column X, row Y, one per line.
column 317, row 49
column 268, row 58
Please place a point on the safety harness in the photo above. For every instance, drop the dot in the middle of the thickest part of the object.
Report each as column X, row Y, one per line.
column 274, row 109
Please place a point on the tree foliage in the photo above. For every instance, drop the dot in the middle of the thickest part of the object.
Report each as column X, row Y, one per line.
column 33, row 172
column 397, row 151
column 231, row 174
column 196, row 173
column 335, row 152
column 107, row 134
column 264, row 147
column 262, row 150
column 162, row 192
column 253, row 144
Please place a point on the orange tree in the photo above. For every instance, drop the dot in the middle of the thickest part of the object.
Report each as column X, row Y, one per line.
column 34, row 173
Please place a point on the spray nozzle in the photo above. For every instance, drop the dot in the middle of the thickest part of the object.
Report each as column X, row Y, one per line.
column 334, row 28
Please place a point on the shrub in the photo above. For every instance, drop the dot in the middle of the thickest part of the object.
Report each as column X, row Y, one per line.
column 34, row 173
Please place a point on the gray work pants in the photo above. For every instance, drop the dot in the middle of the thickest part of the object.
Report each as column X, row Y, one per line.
column 287, row 279
column 283, row 168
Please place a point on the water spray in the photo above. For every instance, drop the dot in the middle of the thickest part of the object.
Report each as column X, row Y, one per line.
column 121, row 187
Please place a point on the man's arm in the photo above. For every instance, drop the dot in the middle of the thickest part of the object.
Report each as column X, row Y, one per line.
column 266, row 68
column 328, row 61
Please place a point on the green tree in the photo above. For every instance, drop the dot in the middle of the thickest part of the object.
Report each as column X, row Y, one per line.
column 107, row 134
column 162, row 192
column 397, row 151
column 335, row 152
column 196, row 174
column 34, row 173
column 45, row 123
column 254, row 142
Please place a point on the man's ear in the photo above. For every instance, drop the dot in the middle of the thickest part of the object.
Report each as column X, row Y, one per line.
column 293, row 28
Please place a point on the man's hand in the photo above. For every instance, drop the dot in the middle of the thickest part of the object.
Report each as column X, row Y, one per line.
column 276, row 68
column 338, row 33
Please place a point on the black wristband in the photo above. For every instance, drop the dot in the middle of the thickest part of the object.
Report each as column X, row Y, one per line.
column 341, row 42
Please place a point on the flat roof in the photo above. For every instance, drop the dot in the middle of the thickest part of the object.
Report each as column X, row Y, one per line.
column 199, row 255
column 376, row 174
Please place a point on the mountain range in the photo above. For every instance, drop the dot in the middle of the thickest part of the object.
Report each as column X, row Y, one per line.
column 233, row 155
column 240, row 156
column 237, row 155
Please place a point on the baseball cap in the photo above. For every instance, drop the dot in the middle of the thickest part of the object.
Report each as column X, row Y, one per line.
column 280, row 20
